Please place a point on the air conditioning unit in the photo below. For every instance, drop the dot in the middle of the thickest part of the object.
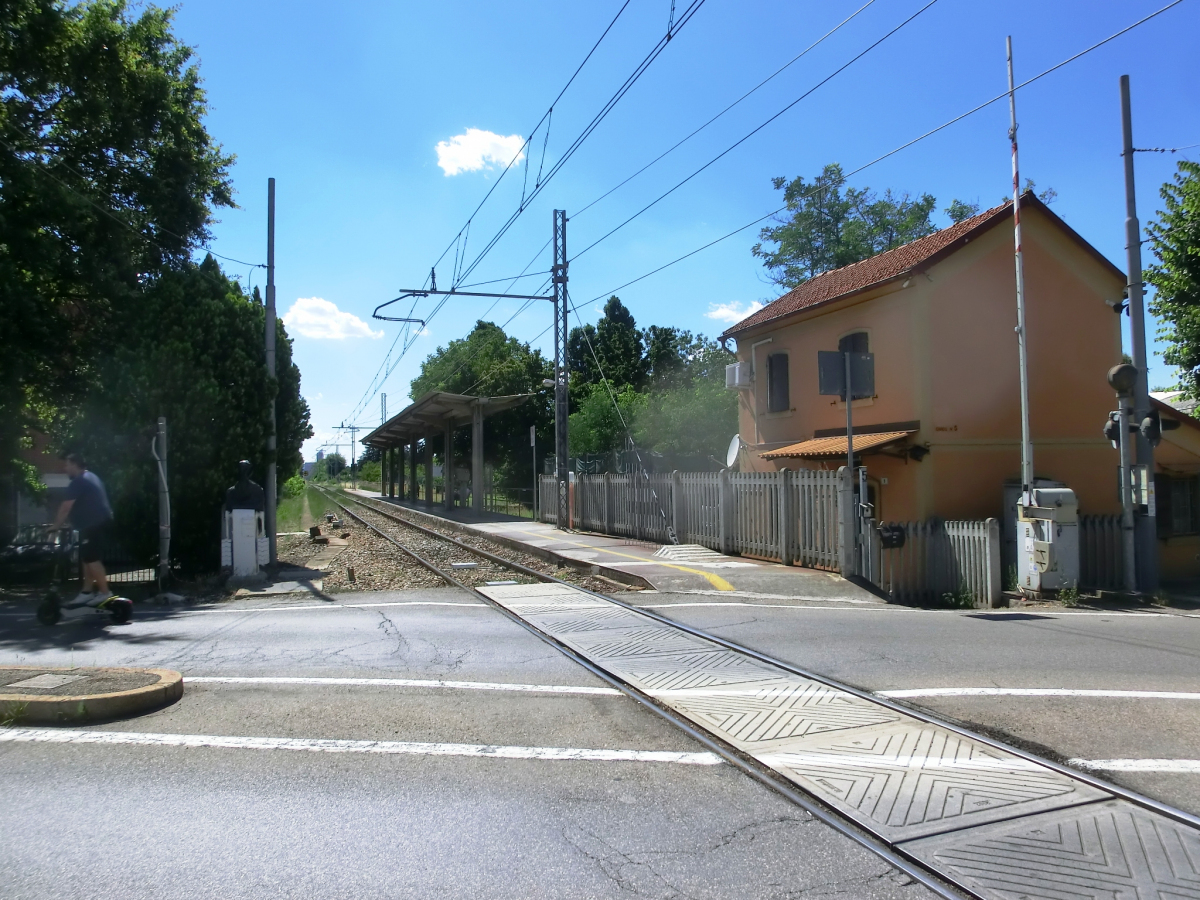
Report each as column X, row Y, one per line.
column 737, row 376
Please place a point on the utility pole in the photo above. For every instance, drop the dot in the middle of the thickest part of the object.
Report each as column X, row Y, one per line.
column 159, row 448
column 1145, row 526
column 382, row 409
column 561, row 374
column 1026, row 445
column 270, row 340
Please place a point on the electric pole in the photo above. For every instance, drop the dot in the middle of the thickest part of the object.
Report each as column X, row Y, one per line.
column 1146, row 527
column 561, row 410
column 270, row 342
column 1026, row 445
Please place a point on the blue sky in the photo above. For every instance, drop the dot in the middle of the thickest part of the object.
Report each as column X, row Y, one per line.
column 346, row 106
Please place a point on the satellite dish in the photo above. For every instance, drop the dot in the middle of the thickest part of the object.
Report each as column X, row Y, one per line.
column 735, row 447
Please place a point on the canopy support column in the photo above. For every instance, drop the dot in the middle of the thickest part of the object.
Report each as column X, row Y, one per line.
column 428, row 471
column 448, row 465
column 477, row 458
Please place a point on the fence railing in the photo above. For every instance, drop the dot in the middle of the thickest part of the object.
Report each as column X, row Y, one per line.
column 1100, row 557
column 937, row 558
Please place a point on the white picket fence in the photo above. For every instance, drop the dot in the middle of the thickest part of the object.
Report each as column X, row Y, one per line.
column 938, row 558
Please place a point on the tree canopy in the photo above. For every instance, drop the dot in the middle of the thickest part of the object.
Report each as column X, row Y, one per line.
column 108, row 174
column 1175, row 242
column 829, row 225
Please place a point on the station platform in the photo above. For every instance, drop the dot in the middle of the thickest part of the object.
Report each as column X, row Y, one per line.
column 685, row 568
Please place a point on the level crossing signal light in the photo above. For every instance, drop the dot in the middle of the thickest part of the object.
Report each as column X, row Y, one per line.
column 1154, row 425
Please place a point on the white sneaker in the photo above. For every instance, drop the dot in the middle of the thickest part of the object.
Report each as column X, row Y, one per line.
column 83, row 598
column 99, row 598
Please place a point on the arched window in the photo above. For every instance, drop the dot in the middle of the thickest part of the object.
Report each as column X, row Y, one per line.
column 854, row 343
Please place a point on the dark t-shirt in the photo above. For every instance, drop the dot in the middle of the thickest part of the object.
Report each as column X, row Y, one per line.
column 91, row 502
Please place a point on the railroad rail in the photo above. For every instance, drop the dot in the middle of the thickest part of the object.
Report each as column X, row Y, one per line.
column 934, row 877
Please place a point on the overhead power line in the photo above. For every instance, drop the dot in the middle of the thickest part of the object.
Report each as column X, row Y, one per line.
column 757, row 129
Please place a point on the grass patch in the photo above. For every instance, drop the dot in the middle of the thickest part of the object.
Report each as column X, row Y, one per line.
column 299, row 512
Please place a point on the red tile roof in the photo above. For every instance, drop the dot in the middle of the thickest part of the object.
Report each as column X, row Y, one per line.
column 862, row 275
column 901, row 261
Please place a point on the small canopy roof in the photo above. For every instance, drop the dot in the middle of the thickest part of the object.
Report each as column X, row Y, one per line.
column 829, row 447
column 433, row 413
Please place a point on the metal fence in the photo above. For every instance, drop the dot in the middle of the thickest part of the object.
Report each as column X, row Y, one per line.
column 1100, row 560
column 938, row 558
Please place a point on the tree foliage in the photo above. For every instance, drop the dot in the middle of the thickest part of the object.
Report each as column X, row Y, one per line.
column 1175, row 241
column 107, row 176
column 190, row 350
column 829, row 225
column 615, row 343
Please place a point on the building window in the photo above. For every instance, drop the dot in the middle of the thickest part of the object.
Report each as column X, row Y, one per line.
column 778, row 399
column 854, row 343
column 1178, row 502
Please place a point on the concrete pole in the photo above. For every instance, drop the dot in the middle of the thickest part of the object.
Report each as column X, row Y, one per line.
column 1026, row 445
column 1145, row 526
column 164, row 506
column 269, row 487
column 477, row 457
column 1128, row 523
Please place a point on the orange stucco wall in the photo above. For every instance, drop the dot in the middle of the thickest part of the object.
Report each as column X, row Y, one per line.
column 946, row 356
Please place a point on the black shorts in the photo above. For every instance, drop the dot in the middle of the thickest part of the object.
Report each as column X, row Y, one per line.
column 91, row 541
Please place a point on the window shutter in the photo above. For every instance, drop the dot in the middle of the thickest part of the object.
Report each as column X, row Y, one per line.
column 778, row 399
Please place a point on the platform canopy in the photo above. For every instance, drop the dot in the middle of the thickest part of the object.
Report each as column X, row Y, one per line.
column 434, row 413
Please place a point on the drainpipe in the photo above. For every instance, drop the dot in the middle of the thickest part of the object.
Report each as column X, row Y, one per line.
column 754, row 379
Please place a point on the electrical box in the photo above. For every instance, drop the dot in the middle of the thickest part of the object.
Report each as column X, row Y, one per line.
column 1048, row 540
column 737, row 376
column 244, row 543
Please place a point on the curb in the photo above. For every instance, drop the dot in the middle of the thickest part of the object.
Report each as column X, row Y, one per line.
column 59, row 710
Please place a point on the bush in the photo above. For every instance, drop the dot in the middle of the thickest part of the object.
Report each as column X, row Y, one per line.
column 294, row 486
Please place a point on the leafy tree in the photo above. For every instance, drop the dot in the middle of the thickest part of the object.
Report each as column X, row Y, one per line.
column 689, row 415
column 190, row 350
column 596, row 426
column 959, row 210
column 829, row 225
column 329, row 467
column 615, row 342
column 1175, row 241
column 370, row 471
column 108, row 176
column 488, row 362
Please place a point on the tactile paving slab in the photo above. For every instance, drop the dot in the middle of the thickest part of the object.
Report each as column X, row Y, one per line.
column 1103, row 851
column 1001, row 825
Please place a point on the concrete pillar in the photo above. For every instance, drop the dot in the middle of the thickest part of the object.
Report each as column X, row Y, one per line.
column 477, row 458
column 448, row 466
column 428, row 471
column 412, row 470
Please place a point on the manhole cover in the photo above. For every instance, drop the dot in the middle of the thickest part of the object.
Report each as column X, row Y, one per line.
column 46, row 681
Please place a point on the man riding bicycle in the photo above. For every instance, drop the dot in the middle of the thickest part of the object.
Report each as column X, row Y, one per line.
column 91, row 515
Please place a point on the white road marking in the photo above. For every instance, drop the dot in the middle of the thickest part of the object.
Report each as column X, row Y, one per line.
column 406, row 682
column 317, row 745
column 1038, row 692
column 249, row 609
column 1173, row 766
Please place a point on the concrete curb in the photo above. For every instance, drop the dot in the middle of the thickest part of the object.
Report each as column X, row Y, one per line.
column 59, row 710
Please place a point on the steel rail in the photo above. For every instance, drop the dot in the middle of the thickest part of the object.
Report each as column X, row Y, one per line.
column 886, row 702
column 746, row 764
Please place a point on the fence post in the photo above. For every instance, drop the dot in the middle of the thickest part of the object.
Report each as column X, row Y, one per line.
column 993, row 562
column 678, row 516
column 787, row 518
column 725, row 511
column 847, row 532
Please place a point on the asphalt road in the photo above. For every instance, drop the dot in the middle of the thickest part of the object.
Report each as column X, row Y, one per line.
column 131, row 820
column 889, row 648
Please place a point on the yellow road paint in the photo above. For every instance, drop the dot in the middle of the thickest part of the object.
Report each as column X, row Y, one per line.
column 715, row 580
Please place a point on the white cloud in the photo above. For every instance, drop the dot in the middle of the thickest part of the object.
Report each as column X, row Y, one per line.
column 476, row 149
column 732, row 312
column 317, row 318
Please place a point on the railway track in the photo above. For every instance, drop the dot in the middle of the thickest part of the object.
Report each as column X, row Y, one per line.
column 1001, row 862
